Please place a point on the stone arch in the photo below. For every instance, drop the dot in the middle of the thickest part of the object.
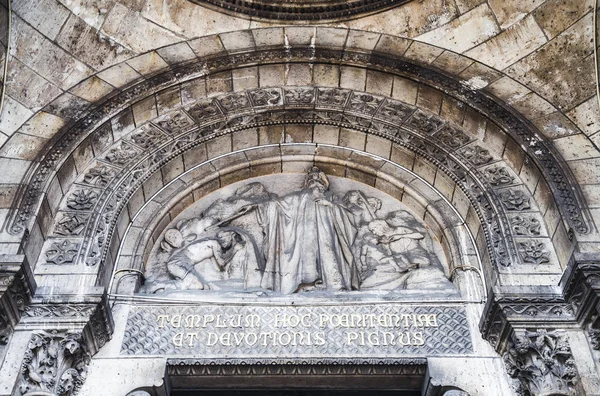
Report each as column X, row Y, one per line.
column 453, row 143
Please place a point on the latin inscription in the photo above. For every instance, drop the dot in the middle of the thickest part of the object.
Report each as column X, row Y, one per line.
column 251, row 331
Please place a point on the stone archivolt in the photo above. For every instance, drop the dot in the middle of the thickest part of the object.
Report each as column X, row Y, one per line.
column 496, row 199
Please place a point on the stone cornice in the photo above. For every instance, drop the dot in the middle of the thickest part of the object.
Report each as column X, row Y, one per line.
column 87, row 313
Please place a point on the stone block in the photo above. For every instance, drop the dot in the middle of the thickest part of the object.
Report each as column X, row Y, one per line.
column 555, row 125
column 326, row 75
column 423, row 53
column 330, row 37
column 207, row 46
column 144, row 110
column 131, row 29
column 152, row 185
column 363, row 41
column 90, row 45
column 219, row 146
column 177, row 53
column 452, row 63
column 392, row 45
column 39, row 91
column 452, row 110
column 237, row 41
column 298, row 133
column 298, row 74
column 268, row 37
column 508, row 12
column 576, row 147
column 46, row 17
column 430, row 99
column 569, row 85
column 403, row 156
column 352, row 139
column 42, row 124
column 555, row 16
column 92, row 89
column 271, row 75
column 353, row 78
column 25, row 147
column 219, row 83
column 379, row 83
column 425, row 169
column 193, row 90
column 244, row 78
column 326, row 134
column 587, row 116
column 172, row 169
column 405, row 90
column 273, row 134
column 464, row 32
column 119, row 75
column 522, row 38
column 378, row 146
column 299, row 36
column 245, row 139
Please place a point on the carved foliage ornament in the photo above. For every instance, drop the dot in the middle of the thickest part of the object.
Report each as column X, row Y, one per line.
column 54, row 362
column 560, row 183
column 543, row 364
column 270, row 97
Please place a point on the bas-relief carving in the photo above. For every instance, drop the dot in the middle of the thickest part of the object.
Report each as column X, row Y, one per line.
column 313, row 237
column 54, row 363
column 542, row 362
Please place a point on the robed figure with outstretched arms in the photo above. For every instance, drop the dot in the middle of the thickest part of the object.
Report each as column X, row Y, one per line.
column 308, row 239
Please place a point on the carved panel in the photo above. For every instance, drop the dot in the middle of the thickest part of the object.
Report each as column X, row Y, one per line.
column 542, row 363
column 55, row 362
column 243, row 332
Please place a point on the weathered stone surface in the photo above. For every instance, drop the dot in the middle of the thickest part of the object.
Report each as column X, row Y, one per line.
column 568, row 86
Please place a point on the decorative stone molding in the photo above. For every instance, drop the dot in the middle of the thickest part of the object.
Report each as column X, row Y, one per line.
column 540, row 151
column 90, row 315
column 258, row 367
column 542, row 363
column 301, row 10
column 16, row 289
column 55, row 363
column 503, row 313
column 581, row 284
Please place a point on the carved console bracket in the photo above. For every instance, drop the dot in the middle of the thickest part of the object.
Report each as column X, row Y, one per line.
column 90, row 316
column 536, row 355
column 16, row 289
column 582, row 290
column 510, row 311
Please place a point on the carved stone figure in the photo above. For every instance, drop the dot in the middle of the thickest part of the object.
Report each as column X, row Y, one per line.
column 305, row 240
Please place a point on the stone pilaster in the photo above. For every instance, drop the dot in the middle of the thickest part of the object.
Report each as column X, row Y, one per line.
column 16, row 289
